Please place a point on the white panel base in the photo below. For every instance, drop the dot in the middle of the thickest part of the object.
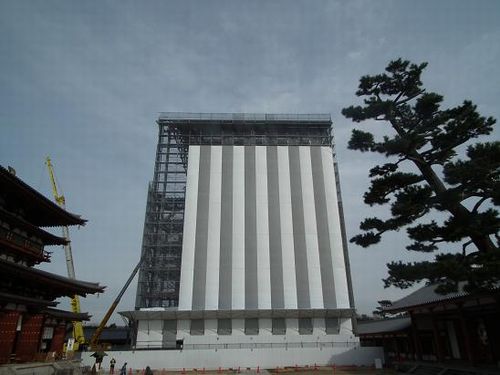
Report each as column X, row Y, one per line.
column 211, row 359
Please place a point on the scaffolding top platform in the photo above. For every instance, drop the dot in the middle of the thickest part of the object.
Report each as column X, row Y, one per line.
column 245, row 117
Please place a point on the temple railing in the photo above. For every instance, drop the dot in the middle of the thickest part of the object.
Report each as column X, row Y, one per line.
column 23, row 244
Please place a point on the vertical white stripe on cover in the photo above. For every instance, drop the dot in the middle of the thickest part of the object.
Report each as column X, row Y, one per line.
column 263, row 262
column 213, row 240
column 189, row 232
column 325, row 253
column 238, row 279
column 310, row 228
column 287, row 245
column 339, row 271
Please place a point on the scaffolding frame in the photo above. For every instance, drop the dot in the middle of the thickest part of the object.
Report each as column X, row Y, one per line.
column 159, row 275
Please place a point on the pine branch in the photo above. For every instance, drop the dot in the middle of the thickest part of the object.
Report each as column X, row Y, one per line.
column 479, row 203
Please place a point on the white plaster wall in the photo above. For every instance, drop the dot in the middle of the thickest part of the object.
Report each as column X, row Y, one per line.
column 234, row 358
column 292, row 325
column 319, row 326
column 150, row 333
column 266, row 328
column 238, row 336
column 238, row 328
column 183, row 328
column 211, row 327
column 346, row 327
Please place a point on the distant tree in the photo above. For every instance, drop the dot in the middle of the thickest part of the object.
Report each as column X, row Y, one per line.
column 425, row 175
column 363, row 317
column 380, row 312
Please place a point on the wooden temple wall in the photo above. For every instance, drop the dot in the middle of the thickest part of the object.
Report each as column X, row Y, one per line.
column 8, row 324
column 58, row 338
column 29, row 339
column 24, row 345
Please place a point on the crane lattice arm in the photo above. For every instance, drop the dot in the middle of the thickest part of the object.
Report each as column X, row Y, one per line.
column 75, row 300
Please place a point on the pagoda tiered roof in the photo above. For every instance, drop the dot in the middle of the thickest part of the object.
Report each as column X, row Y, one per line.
column 27, row 301
column 33, row 206
column 66, row 315
column 27, row 294
column 46, row 237
column 55, row 285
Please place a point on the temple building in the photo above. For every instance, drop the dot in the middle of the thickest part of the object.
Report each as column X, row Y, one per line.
column 30, row 326
column 244, row 239
column 459, row 327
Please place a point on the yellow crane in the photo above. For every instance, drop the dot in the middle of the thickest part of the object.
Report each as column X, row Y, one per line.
column 94, row 340
column 75, row 300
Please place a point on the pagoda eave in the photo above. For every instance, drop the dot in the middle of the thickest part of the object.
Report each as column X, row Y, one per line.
column 46, row 237
column 27, row 301
column 66, row 315
column 59, row 285
column 37, row 209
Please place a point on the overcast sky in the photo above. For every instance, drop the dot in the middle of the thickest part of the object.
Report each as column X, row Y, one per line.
column 83, row 82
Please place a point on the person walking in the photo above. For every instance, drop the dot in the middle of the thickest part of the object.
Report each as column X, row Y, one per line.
column 148, row 371
column 123, row 370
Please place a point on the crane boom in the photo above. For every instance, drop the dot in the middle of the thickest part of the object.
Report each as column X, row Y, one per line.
column 78, row 334
column 95, row 337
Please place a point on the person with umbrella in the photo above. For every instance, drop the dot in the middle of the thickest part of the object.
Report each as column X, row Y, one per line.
column 99, row 356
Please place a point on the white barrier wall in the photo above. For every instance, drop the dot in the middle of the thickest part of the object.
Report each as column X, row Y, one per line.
column 244, row 358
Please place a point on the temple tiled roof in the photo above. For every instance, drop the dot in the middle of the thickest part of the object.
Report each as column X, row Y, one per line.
column 383, row 325
column 424, row 296
column 427, row 296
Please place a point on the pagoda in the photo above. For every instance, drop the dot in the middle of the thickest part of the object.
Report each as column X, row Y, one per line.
column 31, row 329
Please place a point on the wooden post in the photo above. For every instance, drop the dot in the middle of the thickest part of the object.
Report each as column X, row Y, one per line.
column 416, row 341
column 437, row 340
column 465, row 332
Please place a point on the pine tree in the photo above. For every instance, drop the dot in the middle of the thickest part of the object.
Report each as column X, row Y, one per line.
column 424, row 175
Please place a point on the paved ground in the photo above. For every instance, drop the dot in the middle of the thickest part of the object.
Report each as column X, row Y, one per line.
column 285, row 371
